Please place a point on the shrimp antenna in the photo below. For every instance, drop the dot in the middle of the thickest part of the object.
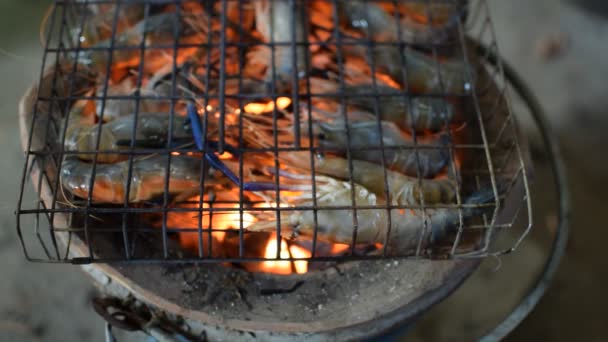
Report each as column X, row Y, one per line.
column 197, row 133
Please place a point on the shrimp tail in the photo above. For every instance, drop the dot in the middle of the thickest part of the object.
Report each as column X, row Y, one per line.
column 477, row 204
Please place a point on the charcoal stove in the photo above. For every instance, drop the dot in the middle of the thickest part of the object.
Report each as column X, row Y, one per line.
column 177, row 279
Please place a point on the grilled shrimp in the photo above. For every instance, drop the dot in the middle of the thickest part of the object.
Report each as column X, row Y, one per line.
column 399, row 154
column 336, row 225
column 378, row 24
column 402, row 189
column 416, row 113
column 159, row 29
column 428, row 74
column 99, row 26
column 151, row 128
column 436, row 13
column 423, row 72
column 126, row 100
column 147, row 178
column 276, row 21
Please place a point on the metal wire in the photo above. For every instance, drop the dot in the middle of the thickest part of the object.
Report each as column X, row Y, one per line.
column 125, row 231
column 558, row 249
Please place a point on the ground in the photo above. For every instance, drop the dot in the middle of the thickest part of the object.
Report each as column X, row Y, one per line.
column 559, row 50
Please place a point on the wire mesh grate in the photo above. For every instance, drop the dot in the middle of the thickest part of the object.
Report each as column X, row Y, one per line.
column 235, row 131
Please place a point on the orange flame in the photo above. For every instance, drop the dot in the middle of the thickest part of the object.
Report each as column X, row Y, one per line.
column 339, row 248
column 284, row 266
column 301, row 266
column 276, row 267
column 221, row 221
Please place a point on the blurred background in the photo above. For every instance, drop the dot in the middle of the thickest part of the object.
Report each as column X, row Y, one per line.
column 559, row 47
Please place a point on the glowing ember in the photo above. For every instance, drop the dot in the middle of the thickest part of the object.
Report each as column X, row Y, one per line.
column 259, row 108
column 339, row 248
column 283, row 102
column 225, row 155
column 255, row 108
column 388, row 80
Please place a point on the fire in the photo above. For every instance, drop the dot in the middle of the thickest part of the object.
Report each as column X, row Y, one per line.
column 230, row 220
column 283, row 102
column 225, row 155
column 284, row 266
column 259, row 108
column 301, row 266
column 221, row 221
column 277, row 267
column 388, row 80
column 270, row 205
column 339, row 248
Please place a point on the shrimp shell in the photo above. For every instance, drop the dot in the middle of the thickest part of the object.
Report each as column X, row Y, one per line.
column 407, row 227
column 382, row 26
column 400, row 154
column 158, row 29
column 402, row 189
column 418, row 113
column 147, row 178
column 152, row 128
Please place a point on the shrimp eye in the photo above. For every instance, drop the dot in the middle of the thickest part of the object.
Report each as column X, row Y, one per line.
column 321, row 136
